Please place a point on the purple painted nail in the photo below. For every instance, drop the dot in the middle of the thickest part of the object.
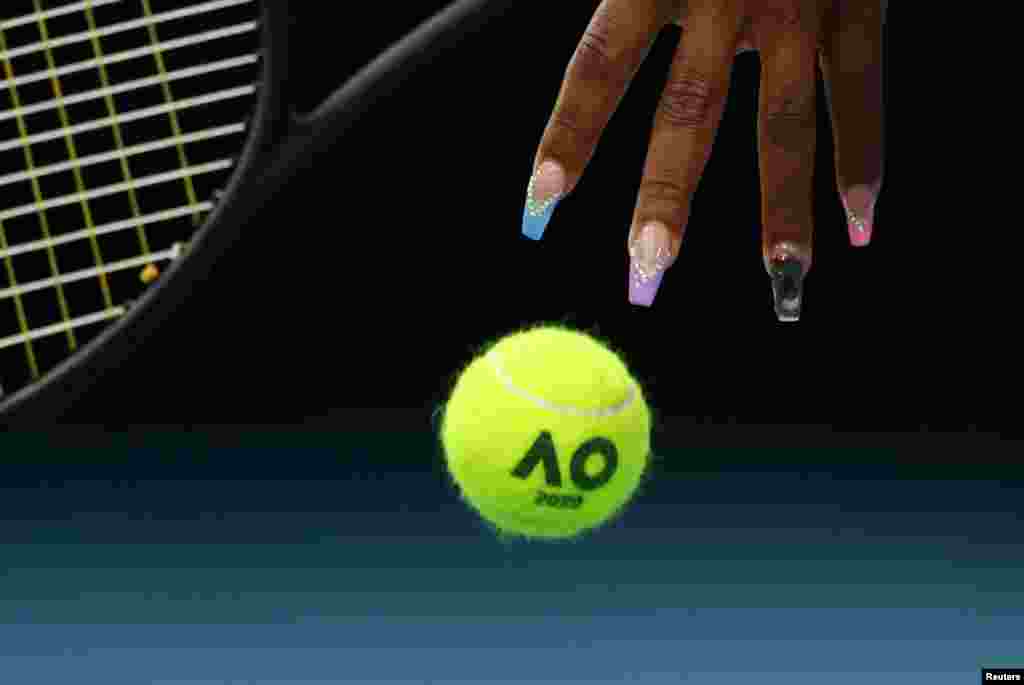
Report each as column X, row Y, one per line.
column 650, row 254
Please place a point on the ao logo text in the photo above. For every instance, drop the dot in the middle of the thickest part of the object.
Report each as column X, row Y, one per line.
column 542, row 454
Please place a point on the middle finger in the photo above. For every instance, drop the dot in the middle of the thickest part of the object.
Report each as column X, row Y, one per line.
column 684, row 129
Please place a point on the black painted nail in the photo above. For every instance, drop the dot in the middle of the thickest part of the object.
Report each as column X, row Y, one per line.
column 787, row 287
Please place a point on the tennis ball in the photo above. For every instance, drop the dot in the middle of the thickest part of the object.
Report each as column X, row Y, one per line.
column 546, row 434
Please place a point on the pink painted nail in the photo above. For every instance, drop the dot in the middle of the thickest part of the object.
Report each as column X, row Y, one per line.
column 859, row 202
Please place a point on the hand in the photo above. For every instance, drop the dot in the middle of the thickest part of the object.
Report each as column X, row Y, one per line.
column 790, row 37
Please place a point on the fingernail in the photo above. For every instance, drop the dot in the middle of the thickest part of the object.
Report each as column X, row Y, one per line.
column 547, row 186
column 859, row 202
column 649, row 253
column 787, row 287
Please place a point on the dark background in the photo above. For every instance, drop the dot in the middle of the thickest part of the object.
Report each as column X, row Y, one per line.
column 410, row 255
column 836, row 500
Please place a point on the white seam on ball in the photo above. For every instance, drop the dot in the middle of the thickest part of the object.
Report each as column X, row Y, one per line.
column 603, row 412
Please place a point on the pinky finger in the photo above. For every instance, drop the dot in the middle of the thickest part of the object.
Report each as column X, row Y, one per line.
column 851, row 61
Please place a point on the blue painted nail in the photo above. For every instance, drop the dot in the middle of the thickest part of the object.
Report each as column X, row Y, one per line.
column 547, row 186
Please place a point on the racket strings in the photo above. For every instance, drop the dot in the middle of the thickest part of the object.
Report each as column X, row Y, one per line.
column 119, row 121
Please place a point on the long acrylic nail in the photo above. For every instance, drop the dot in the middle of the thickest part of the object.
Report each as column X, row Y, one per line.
column 859, row 202
column 650, row 254
column 787, row 286
column 546, row 189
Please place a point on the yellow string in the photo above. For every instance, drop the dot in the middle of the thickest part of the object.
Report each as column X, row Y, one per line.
column 19, row 306
column 76, row 170
column 154, row 38
column 43, row 221
column 126, row 173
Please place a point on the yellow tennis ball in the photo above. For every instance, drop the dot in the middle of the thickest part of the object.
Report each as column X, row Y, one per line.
column 547, row 434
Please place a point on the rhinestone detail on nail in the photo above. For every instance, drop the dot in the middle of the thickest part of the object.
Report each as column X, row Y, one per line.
column 640, row 274
column 856, row 221
column 533, row 208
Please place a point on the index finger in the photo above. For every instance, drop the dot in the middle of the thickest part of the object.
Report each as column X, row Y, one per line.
column 606, row 60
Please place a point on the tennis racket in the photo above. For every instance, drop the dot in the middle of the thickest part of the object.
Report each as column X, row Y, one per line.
column 137, row 139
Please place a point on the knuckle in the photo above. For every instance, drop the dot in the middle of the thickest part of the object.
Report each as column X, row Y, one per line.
column 665, row 193
column 790, row 122
column 791, row 15
column 794, row 106
column 569, row 122
column 686, row 102
column 595, row 61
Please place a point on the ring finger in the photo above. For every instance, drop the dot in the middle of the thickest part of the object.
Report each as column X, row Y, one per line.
column 787, row 127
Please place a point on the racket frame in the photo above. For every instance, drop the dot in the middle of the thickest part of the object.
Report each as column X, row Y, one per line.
column 281, row 144
column 40, row 400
